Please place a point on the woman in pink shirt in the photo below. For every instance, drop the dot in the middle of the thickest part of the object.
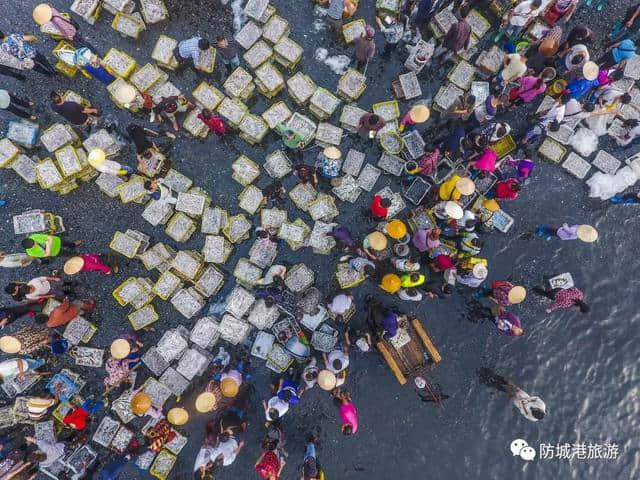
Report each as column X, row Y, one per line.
column 348, row 413
column 62, row 24
column 89, row 262
column 486, row 162
column 528, row 89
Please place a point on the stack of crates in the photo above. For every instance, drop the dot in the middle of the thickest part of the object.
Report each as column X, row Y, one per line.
column 288, row 53
column 163, row 52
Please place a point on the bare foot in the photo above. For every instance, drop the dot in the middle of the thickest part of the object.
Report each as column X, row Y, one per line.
column 77, row 243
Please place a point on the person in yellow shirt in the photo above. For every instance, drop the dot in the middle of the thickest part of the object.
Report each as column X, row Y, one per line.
column 448, row 189
column 455, row 187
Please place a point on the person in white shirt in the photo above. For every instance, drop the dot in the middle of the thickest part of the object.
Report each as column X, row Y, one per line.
column 227, row 450
column 409, row 264
column 610, row 96
column 51, row 451
column 112, row 167
column 160, row 192
column 340, row 305
column 531, row 407
column 336, row 361
column 514, row 22
column 203, row 461
column 275, row 271
column 410, row 294
column 275, row 408
column 310, row 374
column 514, row 67
column 630, row 132
column 473, row 278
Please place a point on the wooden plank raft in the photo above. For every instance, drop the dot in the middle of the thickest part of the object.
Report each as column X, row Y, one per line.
column 414, row 355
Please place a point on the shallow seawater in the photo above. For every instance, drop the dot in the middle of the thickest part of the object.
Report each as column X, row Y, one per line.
column 583, row 366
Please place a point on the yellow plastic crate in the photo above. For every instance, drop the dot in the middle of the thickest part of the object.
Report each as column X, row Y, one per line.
column 118, row 63
column 127, row 25
column 388, row 110
column 143, row 317
column 504, row 146
column 66, row 69
column 127, row 291
column 8, row 152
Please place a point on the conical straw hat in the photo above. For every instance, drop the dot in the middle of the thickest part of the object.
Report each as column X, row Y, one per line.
column 377, row 241
column 10, row 344
column 140, row 403
column 587, row 233
column 73, row 265
column 332, row 152
column 517, row 295
column 120, row 348
column 42, row 14
column 206, row 402
column 419, row 113
column 466, row 186
column 327, row 380
column 178, row 416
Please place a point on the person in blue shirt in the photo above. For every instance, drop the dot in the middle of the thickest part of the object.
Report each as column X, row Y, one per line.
column 289, row 390
column 618, row 54
column 580, row 87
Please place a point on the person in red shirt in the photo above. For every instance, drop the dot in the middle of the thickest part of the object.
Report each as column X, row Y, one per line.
column 215, row 123
column 508, row 189
column 379, row 207
column 78, row 418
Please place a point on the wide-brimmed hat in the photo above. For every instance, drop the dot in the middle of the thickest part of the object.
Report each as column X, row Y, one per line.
column 332, row 152
column 120, row 348
column 480, row 271
column 96, row 157
column 206, row 402
column 548, row 47
column 391, row 283
column 590, row 70
column 327, row 380
column 73, row 265
column 419, row 113
column 177, row 416
column 453, row 210
column 125, row 93
column 9, row 344
column 396, row 229
column 39, row 404
column 517, row 294
column 229, row 387
column 42, row 14
column 369, row 32
column 587, row 233
column 465, row 186
column 378, row 241
column 140, row 403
